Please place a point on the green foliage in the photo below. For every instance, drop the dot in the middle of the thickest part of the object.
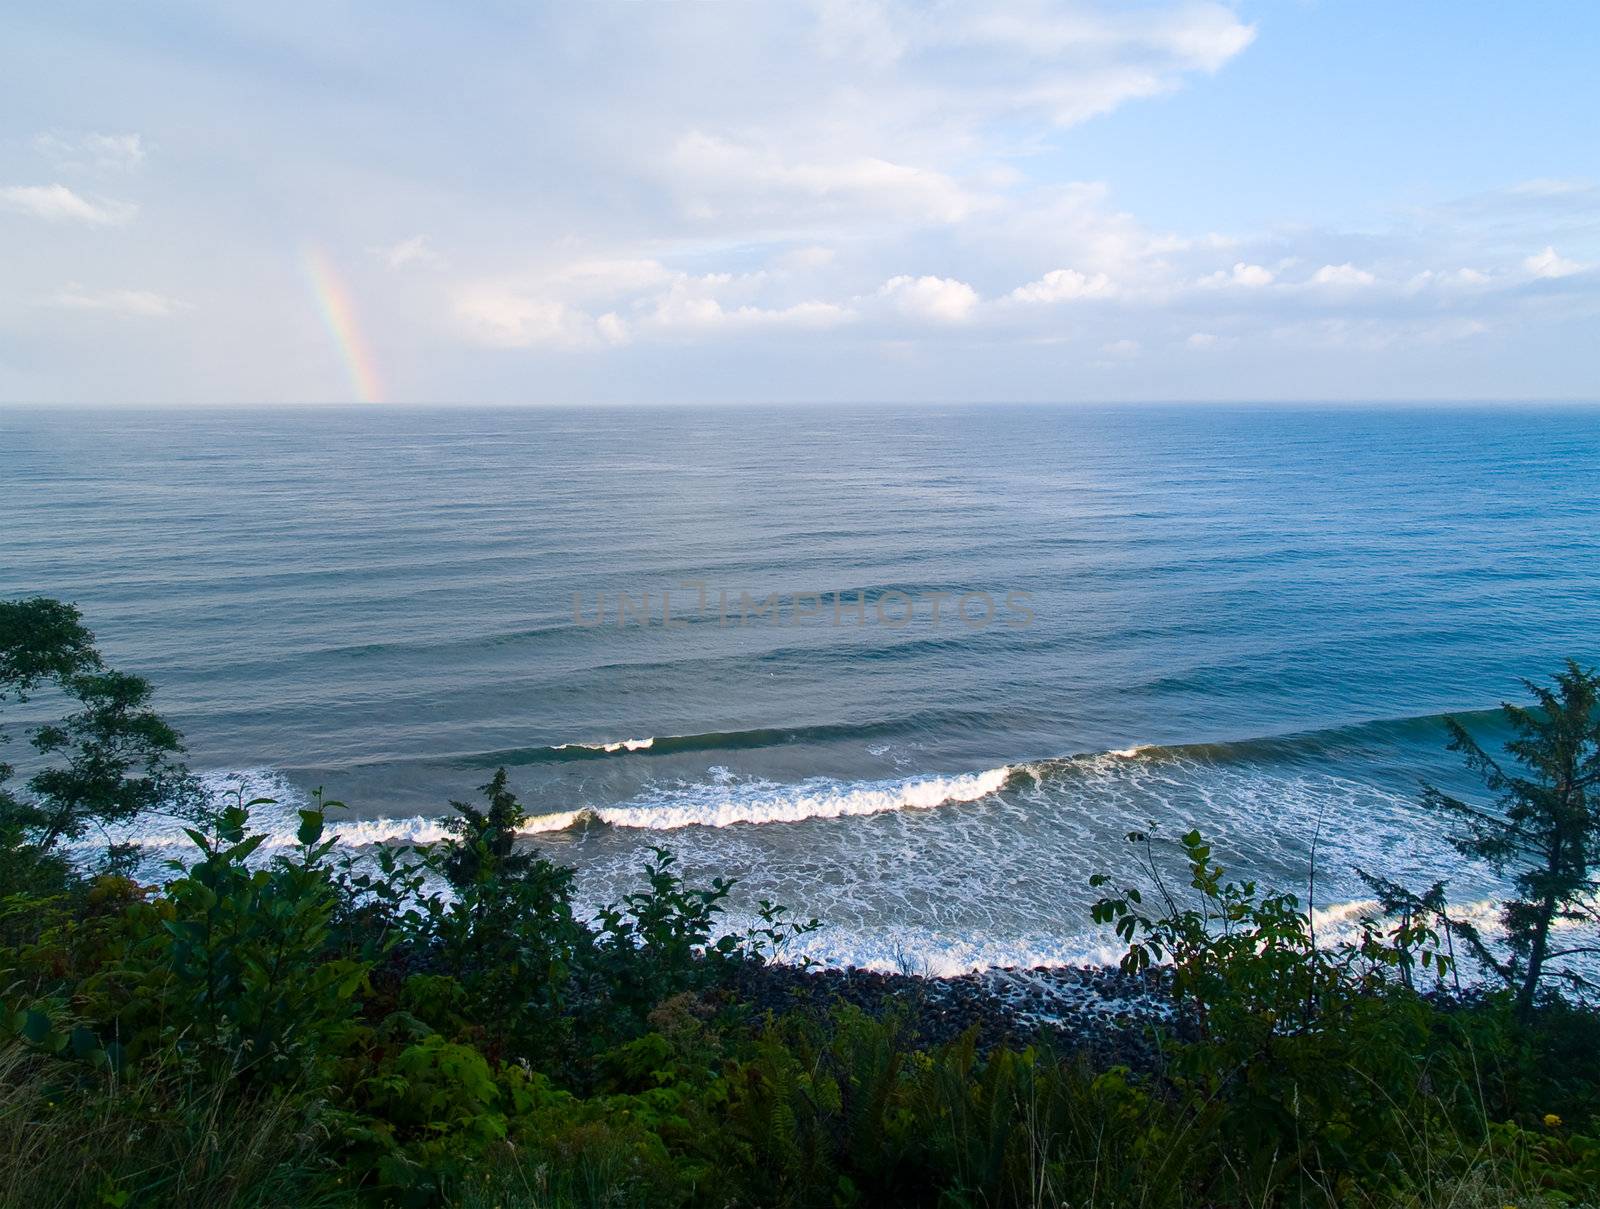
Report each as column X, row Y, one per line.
column 661, row 940
column 507, row 930
column 1543, row 826
column 657, row 941
column 1549, row 1158
column 1242, row 962
column 425, row 1113
column 157, row 1141
column 248, row 951
column 437, row 1026
column 236, row 984
column 230, row 973
column 106, row 761
column 1311, row 1059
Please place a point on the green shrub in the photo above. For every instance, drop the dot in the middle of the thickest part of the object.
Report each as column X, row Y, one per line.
column 436, row 1026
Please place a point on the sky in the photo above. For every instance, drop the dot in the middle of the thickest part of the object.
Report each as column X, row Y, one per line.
column 838, row 200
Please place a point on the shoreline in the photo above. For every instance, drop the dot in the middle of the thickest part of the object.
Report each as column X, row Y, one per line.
column 1098, row 1011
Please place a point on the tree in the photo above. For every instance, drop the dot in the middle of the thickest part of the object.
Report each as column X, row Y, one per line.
column 507, row 930
column 1543, row 826
column 105, row 761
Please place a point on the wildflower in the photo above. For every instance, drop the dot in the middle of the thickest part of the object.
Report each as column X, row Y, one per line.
column 1551, row 1121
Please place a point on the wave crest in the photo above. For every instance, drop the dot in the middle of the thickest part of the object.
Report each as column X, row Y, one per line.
column 725, row 805
column 723, row 802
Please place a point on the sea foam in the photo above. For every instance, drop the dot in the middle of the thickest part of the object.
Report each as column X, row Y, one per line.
column 762, row 801
column 721, row 802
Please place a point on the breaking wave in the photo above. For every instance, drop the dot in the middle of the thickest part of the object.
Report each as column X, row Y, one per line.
column 723, row 805
column 726, row 800
column 722, row 802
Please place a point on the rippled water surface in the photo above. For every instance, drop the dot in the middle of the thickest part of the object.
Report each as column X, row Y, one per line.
column 1244, row 619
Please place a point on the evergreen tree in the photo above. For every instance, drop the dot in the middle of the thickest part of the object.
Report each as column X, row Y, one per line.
column 507, row 931
column 1543, row 825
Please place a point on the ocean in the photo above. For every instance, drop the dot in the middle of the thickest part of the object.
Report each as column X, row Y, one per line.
column 715, row 629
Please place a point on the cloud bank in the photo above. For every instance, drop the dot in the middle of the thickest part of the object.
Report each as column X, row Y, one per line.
column 613, row 202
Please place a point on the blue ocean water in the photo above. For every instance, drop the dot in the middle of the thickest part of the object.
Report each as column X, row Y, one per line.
column 1247, row 619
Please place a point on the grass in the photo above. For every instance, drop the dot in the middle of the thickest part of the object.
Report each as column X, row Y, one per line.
column 105, row 1142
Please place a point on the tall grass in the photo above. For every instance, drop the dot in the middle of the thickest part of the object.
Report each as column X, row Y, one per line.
column 72, row 1140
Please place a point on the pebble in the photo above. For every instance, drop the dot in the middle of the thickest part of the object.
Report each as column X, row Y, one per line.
column 1097, row 1011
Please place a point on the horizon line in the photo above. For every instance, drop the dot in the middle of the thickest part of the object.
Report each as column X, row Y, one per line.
column 659, row 404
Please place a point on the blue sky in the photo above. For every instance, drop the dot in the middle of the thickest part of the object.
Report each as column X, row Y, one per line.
column 614, row 203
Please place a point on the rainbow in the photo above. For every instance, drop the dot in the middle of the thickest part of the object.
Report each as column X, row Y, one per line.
column 333, row 300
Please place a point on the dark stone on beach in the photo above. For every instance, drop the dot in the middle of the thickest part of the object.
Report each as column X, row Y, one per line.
column 1102, row 1014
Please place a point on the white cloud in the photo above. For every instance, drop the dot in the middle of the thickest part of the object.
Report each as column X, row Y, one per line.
column 1247, row 276
column 57, row 203
column 635, row 299
column 413, row 251
column 1199, row 37
column 865, row 137
column 1375, row 335
column 940, row 299
column 716, row 175
column 802, row 259
column 103, row 151
column 1462, row 279
column 598, row 300
column 707, row 314
column 612, row 327
column 1456, row 329
column 1342, row 275
column 1549, row 264
column 1062, row 285
column 610, row 277
column 1550, row 187
column 1091, row 61
column 504, row 320
column 141, row 303
column 1039, row 230
column 861, row 31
